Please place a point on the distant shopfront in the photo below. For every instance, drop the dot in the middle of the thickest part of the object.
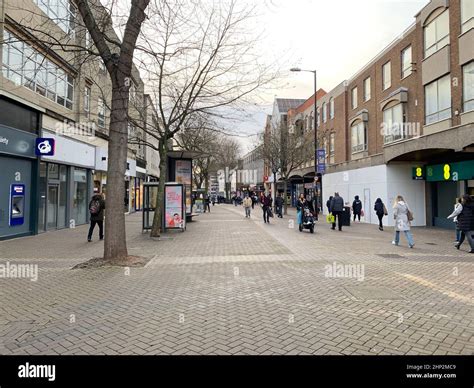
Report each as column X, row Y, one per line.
column 65, row 184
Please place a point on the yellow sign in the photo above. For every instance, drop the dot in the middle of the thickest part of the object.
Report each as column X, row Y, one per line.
column 447, row 172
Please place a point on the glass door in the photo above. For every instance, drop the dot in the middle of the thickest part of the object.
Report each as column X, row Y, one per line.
column 52, row 211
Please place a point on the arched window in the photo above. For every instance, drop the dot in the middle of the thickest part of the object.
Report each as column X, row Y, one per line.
column 358, row 136
column 325, row 113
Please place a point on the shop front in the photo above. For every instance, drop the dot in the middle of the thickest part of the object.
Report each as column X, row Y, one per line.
column 446, row 182
column 65, row 184
column 140, row 179
column 18, row 133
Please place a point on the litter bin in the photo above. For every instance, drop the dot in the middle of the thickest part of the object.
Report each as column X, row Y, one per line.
column 346, row 216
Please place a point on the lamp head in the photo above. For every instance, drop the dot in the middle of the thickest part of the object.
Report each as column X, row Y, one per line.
column 295, row 69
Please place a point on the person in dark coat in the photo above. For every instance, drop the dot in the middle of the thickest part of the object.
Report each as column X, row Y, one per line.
column 466, row 222
column 96, row 210
column 336, row 208
column 267, row 202
column 279, row 205
column 357, row 207
column 381, row 211
column 328, row 203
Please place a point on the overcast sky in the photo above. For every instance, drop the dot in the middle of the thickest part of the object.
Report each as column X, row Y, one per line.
column 335, row 37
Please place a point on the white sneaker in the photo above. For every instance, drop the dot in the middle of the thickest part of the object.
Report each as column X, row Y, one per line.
column 394, row 243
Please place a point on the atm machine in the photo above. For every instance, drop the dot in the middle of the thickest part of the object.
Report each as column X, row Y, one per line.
column 17, row 205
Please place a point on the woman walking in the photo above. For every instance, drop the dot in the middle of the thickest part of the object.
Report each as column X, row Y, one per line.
column 454, row 216
column 403, row 216
column 466, row 222
column 381, row 211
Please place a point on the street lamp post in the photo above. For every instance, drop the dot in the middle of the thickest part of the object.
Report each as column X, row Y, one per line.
column 315, row 114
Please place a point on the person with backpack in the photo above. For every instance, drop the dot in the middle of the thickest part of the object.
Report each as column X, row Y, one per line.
column 357, row 207
column 336, row 209
column 381, row 211
column 403, row 217
column 96, row 210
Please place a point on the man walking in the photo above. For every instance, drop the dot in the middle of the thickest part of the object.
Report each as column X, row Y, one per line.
column 96, row 209
column 266, row 206
column 247, row 206
column 337, row 207
column 279, row 205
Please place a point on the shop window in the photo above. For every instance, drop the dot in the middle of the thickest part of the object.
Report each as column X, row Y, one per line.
column 468, row 87
column 438, row 100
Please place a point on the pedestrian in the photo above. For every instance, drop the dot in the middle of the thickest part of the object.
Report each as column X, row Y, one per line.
column 207, row 204
column 328, row 203
column 454, row 215
column 266, row 207
column 247, row 206
column 213, row 198
column 403, row 217
column 381, row 211
column 337, row 208
column 357, row 207
column 279, row 205
column 466, row 222
column 96, row 210
column 301, row 204
column 254, row 200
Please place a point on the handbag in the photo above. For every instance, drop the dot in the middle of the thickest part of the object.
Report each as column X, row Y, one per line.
column 362, row 213
column 385, row 211
column 330, row 218
column 410, row 215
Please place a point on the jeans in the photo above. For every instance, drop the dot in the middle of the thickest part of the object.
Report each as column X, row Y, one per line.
column 266, row 217
column 458, row 235
column 279, row 211
column 339, row 220
column 247, row 212
column 470, row 239
column 408, row 235
column 101, row 229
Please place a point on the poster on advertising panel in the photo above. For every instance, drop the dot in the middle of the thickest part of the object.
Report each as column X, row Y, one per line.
column 174, row 207
column 183, row 172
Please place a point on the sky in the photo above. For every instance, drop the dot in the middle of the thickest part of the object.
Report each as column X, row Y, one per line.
column 335, row 37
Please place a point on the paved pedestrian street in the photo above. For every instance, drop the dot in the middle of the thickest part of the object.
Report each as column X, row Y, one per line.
column 231, row 285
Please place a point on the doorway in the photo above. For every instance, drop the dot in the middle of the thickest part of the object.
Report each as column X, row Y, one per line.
column 367, row 212
column 53, row 202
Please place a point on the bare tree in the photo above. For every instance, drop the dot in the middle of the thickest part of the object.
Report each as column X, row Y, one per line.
column 200, row 59
column 286, row 151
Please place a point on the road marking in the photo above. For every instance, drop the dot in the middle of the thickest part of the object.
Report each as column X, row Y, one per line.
column 435, row 287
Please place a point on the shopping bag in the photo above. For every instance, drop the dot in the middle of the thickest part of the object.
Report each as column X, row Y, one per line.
column 362, row 213
column 330, row 218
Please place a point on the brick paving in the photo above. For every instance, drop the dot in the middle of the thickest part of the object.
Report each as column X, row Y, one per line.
column 231, row 285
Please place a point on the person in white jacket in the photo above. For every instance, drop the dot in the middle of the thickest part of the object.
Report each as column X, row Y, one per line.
column 402, row 221
column 454, row 215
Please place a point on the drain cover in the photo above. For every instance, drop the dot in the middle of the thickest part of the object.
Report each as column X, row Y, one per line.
column 373, row 293
column 390, row 255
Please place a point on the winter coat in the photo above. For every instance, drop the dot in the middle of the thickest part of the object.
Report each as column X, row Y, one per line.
column 457, row 211
column 267, row 201
column 279, row 201
column 379, row 208
column 337, row 205
column 100, row 215
column 357, row 206
column 400, row 214
column 466, row 218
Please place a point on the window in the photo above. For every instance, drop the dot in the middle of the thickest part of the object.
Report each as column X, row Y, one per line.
column 358, row 137
column 23, row 65
column 367, row 89
column 467, row 15
column 331, row 108
column 319, row 115
column 406, row 62
column 325, row 146
column 101, row 112
column 354, row 98
column 437, row 34
column 311, row 120
column 438, row 100
column 62, row 12
column 87, row 100
column 394, row 128
column 325, row 113
column 386, row 75
column 468, row 86
column 331, row 144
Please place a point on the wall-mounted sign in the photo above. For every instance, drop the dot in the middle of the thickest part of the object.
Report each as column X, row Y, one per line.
column 459, row 171
column 321, row 161
column 44, row 146
column 418, row 173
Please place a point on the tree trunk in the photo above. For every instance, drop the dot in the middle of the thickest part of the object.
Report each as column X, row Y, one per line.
column 115, row 246
column 156, row 228
column 285, row 187
column 274, row 192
